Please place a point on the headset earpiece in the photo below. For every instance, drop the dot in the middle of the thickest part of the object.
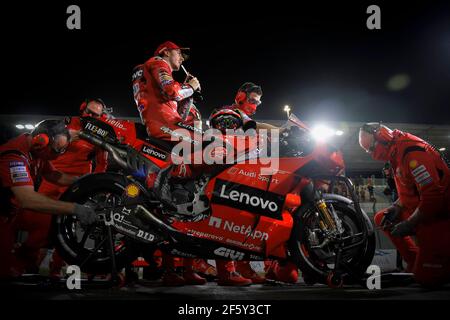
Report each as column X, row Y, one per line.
column 40, row 140
column 46, row 131
column 83, row 105
column 241, row 97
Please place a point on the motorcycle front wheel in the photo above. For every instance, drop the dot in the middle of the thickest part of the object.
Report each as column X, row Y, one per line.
column 318, row 264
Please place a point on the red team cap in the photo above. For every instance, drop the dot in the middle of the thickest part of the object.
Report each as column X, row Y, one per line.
column 168, row 45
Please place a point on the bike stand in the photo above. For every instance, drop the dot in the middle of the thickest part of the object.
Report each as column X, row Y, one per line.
column 117, row 279
column 335, row 279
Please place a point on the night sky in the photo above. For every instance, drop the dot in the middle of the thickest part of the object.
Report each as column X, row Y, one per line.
column 320, row 59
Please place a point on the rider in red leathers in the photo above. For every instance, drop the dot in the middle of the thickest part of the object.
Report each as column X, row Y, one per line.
column 164, row 106
column 422, row 178
column 157, row 94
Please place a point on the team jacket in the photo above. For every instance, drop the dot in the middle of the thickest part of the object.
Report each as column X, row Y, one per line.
column 18, row 168
column 422, row 176
column 79, row 156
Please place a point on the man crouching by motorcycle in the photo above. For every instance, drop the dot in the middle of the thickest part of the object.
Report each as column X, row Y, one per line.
column 422, row 178
column 159, row 99
column 79, row 159
column 233, row 117
column 23, row 161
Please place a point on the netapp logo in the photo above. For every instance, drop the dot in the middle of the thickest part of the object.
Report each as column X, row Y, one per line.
column 247, row 198
column 154, row 153
column 228, row 253
column 242, row 229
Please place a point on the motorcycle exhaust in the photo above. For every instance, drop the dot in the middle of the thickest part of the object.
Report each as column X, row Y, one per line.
column 117, row 154
column 176, row 235
column 151, row 218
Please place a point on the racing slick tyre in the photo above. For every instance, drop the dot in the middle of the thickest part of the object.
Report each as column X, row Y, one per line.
column 89, row 247
column 319, row 262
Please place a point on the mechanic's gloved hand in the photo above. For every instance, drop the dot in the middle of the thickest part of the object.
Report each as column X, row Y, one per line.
column 403, row 229
column 85, row 214
column 390, row 217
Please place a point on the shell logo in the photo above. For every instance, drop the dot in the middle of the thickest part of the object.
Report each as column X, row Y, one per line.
column 132, row 191
column 413, row 164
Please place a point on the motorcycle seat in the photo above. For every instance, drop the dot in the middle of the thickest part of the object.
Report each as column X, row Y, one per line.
column 141, row 133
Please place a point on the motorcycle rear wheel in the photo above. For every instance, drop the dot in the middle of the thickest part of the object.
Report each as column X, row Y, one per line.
column 89, row 247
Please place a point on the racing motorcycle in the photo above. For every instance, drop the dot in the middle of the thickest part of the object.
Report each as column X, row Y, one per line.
column 287, row 215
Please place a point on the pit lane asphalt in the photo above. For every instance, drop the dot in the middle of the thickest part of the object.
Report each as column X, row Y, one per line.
column 211, row 291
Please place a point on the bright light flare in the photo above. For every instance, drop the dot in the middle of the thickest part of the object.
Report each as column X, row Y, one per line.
column 322, row 132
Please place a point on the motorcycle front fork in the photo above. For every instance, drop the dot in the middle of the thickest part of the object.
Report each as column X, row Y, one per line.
column 328, row 224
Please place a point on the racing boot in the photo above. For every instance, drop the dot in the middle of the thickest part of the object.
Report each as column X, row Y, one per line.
column 55, row 266
column 270, row 269
column 193, row 278
column 227, row 275
column 190, row 276
column 245, row 269
column 204, row 268
column 170, row 277
column 286, row 272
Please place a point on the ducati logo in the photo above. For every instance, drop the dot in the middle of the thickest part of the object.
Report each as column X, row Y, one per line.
column 228, row 253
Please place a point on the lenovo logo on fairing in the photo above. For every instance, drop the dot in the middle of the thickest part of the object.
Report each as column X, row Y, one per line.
column 248, row 199
column 153, row 153
column 228, row 253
